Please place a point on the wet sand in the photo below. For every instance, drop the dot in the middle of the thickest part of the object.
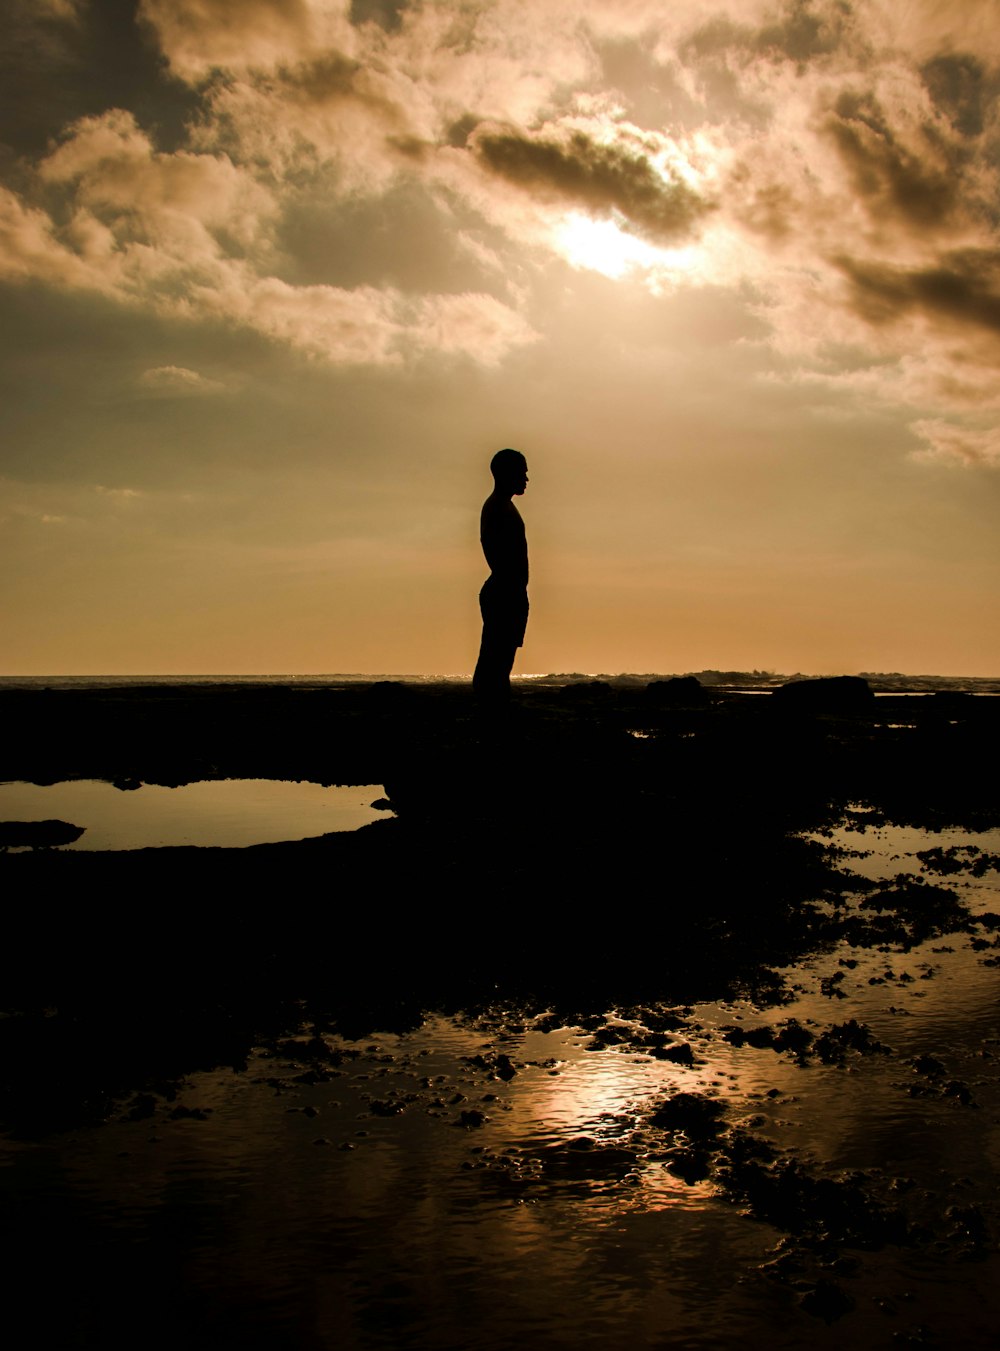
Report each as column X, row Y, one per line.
column 784, row 1106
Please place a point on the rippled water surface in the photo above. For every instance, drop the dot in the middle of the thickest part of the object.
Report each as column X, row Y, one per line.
column 508, row 1180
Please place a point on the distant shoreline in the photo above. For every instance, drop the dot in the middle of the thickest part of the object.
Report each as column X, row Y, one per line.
column 891, row 682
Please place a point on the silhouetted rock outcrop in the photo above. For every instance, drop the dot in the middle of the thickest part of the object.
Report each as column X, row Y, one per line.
column 828, row 694
column 681, row 690
column 37, row 834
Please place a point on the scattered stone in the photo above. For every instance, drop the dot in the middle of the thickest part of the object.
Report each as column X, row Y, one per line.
column 386, row 1107
column 471, row 1118
column 681, row 1054
column 697, row 1117
column 927, row 1064
column 832, row 1045
column 826, row 1300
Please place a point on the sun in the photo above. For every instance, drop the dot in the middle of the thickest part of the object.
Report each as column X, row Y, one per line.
column 601, row 246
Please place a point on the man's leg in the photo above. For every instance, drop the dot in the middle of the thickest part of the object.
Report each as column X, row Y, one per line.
column 491, row 680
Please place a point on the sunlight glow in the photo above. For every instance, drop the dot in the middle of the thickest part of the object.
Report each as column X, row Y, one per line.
column 601, row 246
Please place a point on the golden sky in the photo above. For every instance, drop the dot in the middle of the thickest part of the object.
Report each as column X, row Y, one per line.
column 278, row 278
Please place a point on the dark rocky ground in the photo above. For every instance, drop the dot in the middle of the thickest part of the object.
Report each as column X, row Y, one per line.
column 599, row 848
column 551, row 856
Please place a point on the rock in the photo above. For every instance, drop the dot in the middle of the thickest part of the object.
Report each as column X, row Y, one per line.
column 828, row 694
column 793, row 1037
column 927, row 1064
column 504, row 1068
column 680, row 690
column 690, row 1165
column 386, row 1107
column 697, row 1117
column 37, row 834
column 826, row 1300
column 677, row 1055
column 588, row 689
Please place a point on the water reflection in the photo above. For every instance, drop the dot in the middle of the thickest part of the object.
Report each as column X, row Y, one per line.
column 503, row 1180
column 229, row 813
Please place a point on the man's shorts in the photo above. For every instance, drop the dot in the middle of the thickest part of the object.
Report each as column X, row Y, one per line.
column 505, row 612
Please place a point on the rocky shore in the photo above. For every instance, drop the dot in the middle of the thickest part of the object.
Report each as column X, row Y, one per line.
column 592, row 844
column 659, row 888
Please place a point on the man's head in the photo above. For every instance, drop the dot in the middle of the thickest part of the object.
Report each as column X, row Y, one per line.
column 510, row 470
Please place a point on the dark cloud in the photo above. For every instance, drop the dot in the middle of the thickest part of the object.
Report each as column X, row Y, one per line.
column 459, row 132
column 325, row 78
column 599, row 178
column 398, row 239
column 921, row 189
column 47, row 74
column 388, row 14
column 962, row 89
column 963, row 287
column 805, row 31
column 717, row 37
column 333, row 78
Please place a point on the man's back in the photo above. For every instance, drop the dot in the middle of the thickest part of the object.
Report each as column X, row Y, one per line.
column 505, row 544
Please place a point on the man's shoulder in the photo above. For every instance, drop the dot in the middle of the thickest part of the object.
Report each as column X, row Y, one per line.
column 498, row 508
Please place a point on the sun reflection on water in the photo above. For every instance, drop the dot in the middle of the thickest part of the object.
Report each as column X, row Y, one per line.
column 482, row 1171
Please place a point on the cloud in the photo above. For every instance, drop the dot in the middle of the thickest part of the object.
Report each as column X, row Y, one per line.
column 178, row 382
column 926, row 28
column 180, row 201
column 962, row 88
column 201, row 36
column 799, row 31
column 119, row 495
column 190, row 235
column 61, row 9
column 601, row 178
column 64, row 503
column 388, row 14
column 832, row 163
column 920, row 184
column 30, row 250
column 950, row 443
column 476, row 325
column 961, row 288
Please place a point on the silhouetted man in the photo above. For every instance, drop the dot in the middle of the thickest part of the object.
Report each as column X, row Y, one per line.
column 504, row 597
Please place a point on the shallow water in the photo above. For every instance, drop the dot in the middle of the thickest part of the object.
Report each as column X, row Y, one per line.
column 502, row 1181
column 228, row 813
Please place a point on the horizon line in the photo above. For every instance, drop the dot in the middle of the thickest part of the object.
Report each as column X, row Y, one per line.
column 754, row 672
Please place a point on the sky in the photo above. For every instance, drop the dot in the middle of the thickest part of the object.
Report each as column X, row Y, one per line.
column 278, row 277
